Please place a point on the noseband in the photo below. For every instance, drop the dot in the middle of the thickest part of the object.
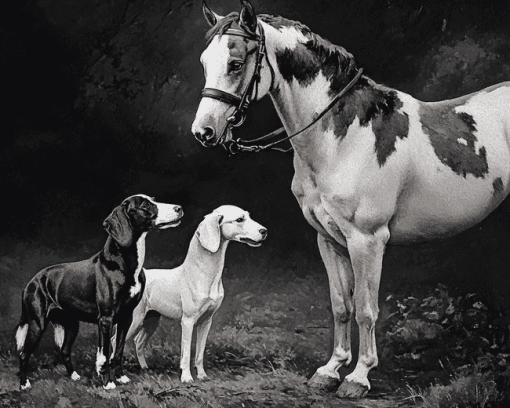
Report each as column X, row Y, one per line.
column 242, row 103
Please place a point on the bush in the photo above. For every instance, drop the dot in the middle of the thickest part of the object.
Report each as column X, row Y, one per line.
column 457, row 342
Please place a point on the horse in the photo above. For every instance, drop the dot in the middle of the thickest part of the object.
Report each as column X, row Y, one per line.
column 374, row 166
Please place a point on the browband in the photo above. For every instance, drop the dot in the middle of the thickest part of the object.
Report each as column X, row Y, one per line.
column 242, row 33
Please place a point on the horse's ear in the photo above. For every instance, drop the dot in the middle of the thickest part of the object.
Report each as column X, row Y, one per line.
column 247, row 17
column 210, row 16
column 208, row 232
column 117, row 225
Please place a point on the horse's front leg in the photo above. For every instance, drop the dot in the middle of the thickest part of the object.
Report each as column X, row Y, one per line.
column 341, row 282
column 366, row 251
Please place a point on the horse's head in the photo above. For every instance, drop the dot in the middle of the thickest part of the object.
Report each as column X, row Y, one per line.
column 234, row 65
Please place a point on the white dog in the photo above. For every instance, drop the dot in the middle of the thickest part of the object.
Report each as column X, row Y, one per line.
column 193, row 292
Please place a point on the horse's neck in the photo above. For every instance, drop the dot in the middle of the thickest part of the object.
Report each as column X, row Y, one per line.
column 297, row 104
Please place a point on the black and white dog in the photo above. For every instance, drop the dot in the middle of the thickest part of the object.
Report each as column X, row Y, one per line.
column 104, row 289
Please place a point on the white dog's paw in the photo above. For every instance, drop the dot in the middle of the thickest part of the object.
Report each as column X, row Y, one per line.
column 124, row 379
column 186, row 378
column 26, row 386
column 201, row 375
column 110, row 386
column 75, row 376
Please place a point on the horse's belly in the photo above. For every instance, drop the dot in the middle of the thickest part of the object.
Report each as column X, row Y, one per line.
column 444, row 209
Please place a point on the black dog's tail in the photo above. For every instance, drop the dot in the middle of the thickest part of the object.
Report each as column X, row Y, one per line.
column 21, row 333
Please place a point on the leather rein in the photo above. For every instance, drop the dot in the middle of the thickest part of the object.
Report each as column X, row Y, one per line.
column 242, row 103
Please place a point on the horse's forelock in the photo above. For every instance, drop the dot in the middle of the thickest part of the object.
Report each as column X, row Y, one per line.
column 221, row 26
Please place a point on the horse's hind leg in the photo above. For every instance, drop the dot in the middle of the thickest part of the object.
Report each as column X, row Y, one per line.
column 341, row 282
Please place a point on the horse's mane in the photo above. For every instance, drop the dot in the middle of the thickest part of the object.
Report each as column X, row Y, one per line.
column 330, row 55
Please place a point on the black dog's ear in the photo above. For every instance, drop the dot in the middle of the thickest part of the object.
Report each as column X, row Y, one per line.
column 247, row 17
column 117, row 225
column 210, row 16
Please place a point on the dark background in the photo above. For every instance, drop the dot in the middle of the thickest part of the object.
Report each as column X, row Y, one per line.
column 99, row 97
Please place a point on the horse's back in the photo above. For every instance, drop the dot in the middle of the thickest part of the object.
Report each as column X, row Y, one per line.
column 460, row 171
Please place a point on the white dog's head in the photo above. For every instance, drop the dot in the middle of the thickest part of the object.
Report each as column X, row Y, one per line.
column 232, row 224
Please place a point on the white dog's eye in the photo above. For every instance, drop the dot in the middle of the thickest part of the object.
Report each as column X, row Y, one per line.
column 240, row 219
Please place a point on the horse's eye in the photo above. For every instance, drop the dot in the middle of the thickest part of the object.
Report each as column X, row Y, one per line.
column 236, row 65
column 240, row 219
column 145, row 204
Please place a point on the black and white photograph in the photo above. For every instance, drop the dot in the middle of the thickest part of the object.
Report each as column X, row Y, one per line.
column 248, row 203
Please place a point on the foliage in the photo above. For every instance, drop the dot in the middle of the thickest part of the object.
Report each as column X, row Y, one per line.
column 458, row 342
column 464, row 64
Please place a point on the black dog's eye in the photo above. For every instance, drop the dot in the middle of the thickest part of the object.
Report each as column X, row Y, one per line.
column 236, row 66
column 240, row 219
column 145, row 205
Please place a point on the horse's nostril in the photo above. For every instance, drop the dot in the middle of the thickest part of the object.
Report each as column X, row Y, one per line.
column 178, row 209
column 263, row 232
column 208, row 133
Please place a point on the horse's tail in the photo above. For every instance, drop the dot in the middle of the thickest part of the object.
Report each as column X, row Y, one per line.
column 21, row 333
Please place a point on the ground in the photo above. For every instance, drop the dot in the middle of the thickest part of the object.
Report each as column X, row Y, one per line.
column 268, row 337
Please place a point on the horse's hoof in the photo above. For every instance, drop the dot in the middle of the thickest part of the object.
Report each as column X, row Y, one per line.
column 323, row 382
column 352, row 389
column 75, row 376
column 110, row 386
column 124, row 379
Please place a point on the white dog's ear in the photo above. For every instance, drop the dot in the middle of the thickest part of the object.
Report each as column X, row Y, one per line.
column 208, row 232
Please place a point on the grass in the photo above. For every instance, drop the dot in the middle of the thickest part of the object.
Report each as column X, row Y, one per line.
column 268, row 337
column 472, row 390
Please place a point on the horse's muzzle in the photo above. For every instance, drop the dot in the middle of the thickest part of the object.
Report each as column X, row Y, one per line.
column 206, row 136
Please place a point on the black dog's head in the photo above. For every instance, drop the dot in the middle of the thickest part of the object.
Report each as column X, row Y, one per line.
column 138, row 214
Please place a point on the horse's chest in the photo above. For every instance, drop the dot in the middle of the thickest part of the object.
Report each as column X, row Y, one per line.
column 308, row 194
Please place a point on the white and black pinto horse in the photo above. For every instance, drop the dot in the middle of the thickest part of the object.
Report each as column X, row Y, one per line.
column 380, row 167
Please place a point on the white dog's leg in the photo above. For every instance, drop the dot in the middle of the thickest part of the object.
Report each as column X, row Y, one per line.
column 135, row 331
column 149, row 326
column 187, row 332
column 202, row 332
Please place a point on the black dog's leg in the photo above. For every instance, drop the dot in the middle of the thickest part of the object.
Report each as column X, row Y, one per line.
column 30, row 330
column 71, row 331
column 122, row 328
column 34, row 333
column 103, row 352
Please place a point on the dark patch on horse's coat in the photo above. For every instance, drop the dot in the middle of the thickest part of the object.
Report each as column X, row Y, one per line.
column 299, row 64
column 374, row 104
column 306, row 60
column 497, row 185
column 452, row 137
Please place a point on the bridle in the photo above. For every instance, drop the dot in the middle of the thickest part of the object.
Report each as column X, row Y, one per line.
column 242, row 103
